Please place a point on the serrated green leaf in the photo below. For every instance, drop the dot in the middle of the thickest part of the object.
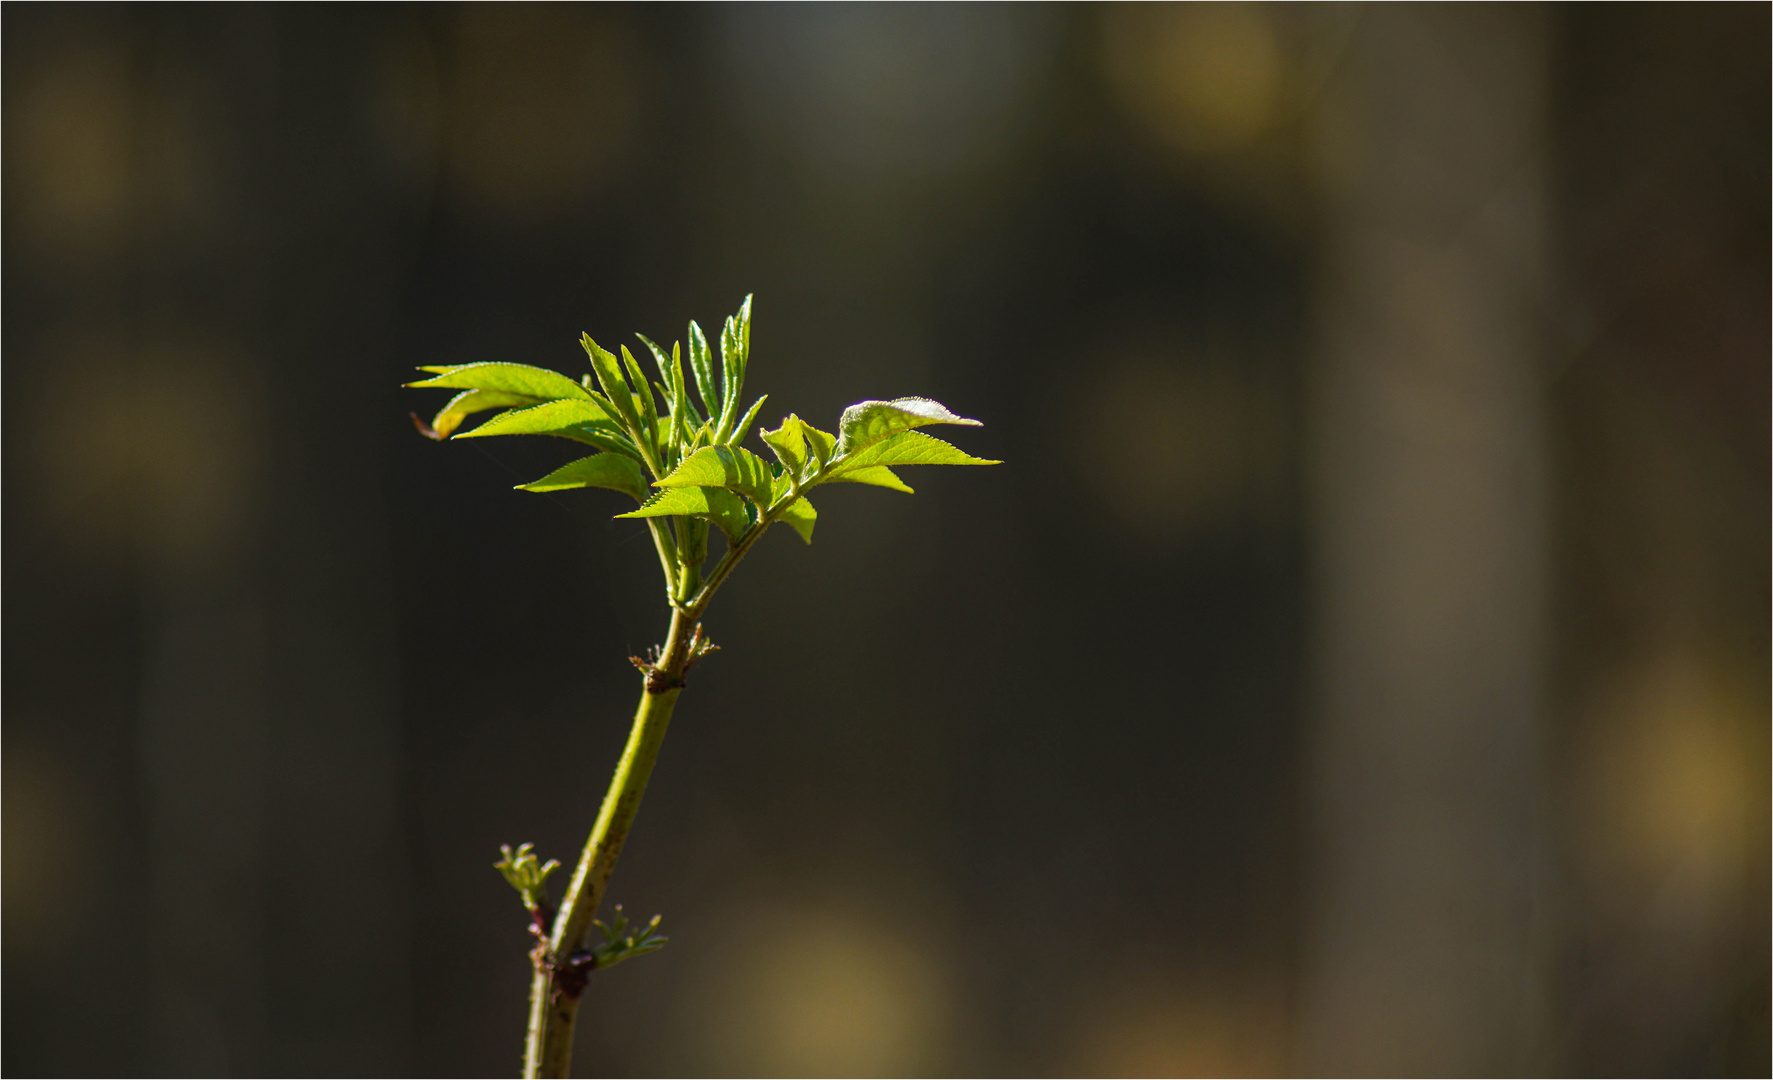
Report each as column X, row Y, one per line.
column 821, row 444
column 906, row 448
column 735, row 351
column 681, row 409
column 615, row 388
column 703, row 367
column 608, row 406
column 800, row 516
column 645, row 408
column 692, row 420
column 539, row 383
column 877, row 475
column 468, row 402
column 732, row 467
column 716, row 504
column 788, row 443
column 668, row 426
column 602, row 436
column 548, row 418
column 868, row 422
column 741, row 324
column 658, row 357
column 729, row 386
column 614, row 471
column 731, row 359
column 745, row 422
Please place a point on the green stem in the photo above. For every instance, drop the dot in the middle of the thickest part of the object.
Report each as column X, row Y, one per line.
column 667, row 556
column 554, row 990
column 556, row 985
column 729, row 562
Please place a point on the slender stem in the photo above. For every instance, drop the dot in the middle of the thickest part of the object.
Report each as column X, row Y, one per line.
column 667, row 555
column 555, row 987
column 730, row 561
column 554, row 990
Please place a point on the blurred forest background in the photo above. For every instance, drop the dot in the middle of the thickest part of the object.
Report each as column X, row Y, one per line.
column 1360, row 665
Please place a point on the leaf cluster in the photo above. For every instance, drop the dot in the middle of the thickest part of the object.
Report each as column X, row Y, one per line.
column 673, row 443
column 527, row 874
column 620, row 943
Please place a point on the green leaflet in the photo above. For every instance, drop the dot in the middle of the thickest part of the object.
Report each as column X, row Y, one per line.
column 735, row 352
column 647, row 408
column 747, row 420
column 868, row 422
column 906, row 448
column 788, row 443
column 800, row 516
column 691, row 418
column 658, row 357
column 549, row 418
column 878, row 475
column 735, row 343
column 783, row 483
column 669, row 429
column 617, row 472
column 539, row 383
column 681, row 409
column 703, row 367
column 615, row 387
column 716, row 504
column 731, row 467
column 821, row 444
column 467, row 402
column 801, row 447
column 792, row 443
column 602, row 436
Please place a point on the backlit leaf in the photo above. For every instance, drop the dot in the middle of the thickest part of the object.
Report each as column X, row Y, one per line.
column 716, row 504
column 609, row 376
column 468, row 402
column 745, row 422
column 788, row 442
column 683, row 414
column 738, row 328
column 906, row 448
column 549, row 418
column 784, row 482
column 821, row 444
column 735, row 351
column 868, row 422
column 731, row 467
column 703, row 366
column 645, row 408
column 800, row 516
column 658, row 357
column 539, row 383
column 878, row 475
column 614, row 471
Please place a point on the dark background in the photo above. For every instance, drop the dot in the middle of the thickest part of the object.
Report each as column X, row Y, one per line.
column 1359, row 665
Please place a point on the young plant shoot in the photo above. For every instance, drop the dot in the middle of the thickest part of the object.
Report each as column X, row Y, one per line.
column 682, row 461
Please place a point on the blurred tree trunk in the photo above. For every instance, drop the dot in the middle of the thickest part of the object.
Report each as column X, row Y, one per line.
column 1427, row 467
